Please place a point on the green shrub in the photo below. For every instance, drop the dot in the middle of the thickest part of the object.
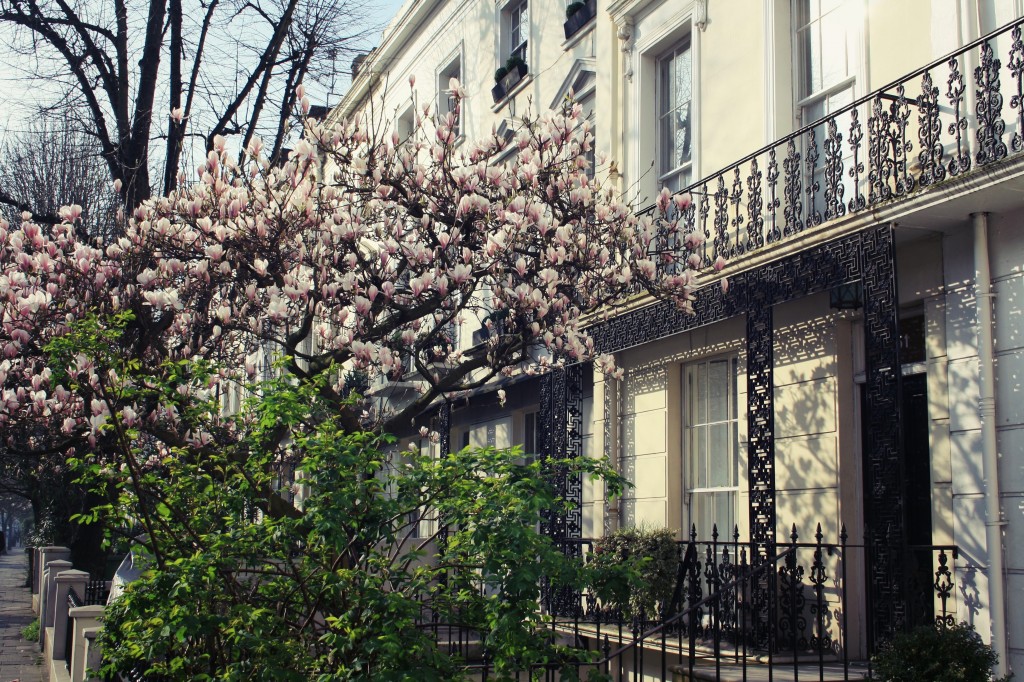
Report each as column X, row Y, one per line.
column 500, row 73
column 31, row 631
column 514, row 62
column 636, row 569
column 935, row 654
column 573, row 8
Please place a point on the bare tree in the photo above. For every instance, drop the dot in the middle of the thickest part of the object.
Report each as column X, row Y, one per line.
column 175, row 74
column 50, row 165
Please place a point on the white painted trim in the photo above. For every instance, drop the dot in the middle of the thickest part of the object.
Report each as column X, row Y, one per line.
column 579, row 67
column 987, row 411
column 770, row 56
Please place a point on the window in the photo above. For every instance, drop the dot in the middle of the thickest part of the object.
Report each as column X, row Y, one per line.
column 711, row 444
column 445, row 99
column 405, row 124
column 515, row 20
column 675, row 95
column 827, row 48
column 586, row 103
column 530, row 443
column 422, row 520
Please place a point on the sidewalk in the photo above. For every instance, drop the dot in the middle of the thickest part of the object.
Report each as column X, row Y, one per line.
column 18, row 658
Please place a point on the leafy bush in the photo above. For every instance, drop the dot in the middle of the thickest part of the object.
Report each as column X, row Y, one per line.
column 31, row 631
column 340, row 590
column 500, row 73
column 935, row 654
column 514, row 62
column 636, row 569
column 573, row 8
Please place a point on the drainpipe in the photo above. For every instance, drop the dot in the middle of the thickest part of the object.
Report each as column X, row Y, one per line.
column 990, row 459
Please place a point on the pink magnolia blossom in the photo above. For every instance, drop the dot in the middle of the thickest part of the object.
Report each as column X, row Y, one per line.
column 372, row 249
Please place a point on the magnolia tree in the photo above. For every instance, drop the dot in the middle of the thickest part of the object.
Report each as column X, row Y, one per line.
column 360, row 253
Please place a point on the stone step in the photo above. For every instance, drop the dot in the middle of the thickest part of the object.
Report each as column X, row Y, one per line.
column 704, row 671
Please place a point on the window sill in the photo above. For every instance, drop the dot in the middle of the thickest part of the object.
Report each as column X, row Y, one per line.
column 578, row 37
column 512, row 92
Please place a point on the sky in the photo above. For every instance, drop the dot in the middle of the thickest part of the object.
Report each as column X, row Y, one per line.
column 19, row 110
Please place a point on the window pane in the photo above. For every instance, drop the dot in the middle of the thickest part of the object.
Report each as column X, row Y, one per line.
column 833, row 49
column 725, row 513
column 719, row 456
column 699, row 478
column 674, row 98
column 718, row 390
column 701, row 394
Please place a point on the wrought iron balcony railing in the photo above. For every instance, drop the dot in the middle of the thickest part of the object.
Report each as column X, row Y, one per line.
column 935, row 124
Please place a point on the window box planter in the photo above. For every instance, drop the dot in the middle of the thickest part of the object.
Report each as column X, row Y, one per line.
column 508, row 82
column 580, row 18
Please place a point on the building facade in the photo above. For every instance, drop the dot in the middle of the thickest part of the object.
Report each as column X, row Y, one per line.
column 858, row 163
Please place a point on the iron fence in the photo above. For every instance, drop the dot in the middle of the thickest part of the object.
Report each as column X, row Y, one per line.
column 796, row 608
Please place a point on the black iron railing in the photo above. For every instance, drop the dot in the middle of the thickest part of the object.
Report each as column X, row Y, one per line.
column 937, row 123
column 735, row 606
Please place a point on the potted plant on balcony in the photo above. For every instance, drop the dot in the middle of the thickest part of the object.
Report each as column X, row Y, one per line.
column 507, row 76
column 577, row 15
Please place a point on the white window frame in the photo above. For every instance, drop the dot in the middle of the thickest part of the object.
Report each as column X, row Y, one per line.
column 657, row 31
column 694, row 493
column 844, row 89
column 685, row 169
column 512, row 20
column 405, row 122
column 453, row 64
column 855, row 50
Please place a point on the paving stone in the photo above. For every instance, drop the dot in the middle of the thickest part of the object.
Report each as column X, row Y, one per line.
column 20, row 661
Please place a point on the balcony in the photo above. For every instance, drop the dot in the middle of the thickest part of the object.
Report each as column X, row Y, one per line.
column 951, row 127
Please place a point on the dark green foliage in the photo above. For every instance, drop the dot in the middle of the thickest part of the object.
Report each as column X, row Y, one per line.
column 932, row 653
column 514, row 62
column 242, row 585
column 500, row 73
column 573, row 8
column 31, row 631
column 636, row 569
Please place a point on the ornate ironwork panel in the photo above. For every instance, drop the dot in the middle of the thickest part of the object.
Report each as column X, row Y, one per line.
column 955, row 88
column 857, row 201
column 572, row 492
column 1016, row 66
column 560, row 427
column 444, row 427
column 774, row 233
column 736, row 199
column 761, row 419
column 755, row 204
column 989, row 106
column 813, row 186
column 929, row 133
column 882, row 460
column 834, row 189
column 722, row 246
column 794, row 208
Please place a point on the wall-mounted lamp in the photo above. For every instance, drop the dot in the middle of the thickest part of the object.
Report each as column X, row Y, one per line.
column 849, row 296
